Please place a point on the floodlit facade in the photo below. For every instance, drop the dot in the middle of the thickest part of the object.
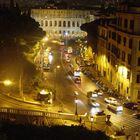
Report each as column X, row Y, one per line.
column 60, row 23
column 118, row 56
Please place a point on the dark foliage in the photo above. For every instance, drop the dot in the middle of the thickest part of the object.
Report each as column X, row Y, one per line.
column 18, row 34
column 28, row 132
column 91, row 28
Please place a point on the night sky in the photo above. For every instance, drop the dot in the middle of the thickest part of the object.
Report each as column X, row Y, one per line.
column 26, row 1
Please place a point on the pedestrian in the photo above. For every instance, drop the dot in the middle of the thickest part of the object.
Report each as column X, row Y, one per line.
column 80, row 120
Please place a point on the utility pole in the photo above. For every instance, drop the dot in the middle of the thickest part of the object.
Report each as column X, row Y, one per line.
column 21, row 83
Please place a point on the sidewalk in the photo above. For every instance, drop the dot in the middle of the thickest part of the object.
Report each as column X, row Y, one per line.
column 94, row 72
column 30, row 99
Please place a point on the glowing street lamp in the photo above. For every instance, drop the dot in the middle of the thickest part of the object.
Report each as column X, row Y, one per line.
column 45, row 39
column 66, row 34
column 50, row 57
column 7, row 82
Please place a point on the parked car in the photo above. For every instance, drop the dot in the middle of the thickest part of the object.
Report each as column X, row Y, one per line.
column 130, row 105
column 93, row 102
column 115, row 107
column 92, row 94
column 137, row 115
column 110, row 100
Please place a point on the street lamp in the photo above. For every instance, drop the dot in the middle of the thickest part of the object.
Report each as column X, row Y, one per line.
column 50, row 57
column 66, row 35
column 45, row 39
column 91, row 119
column 7, row 82
column 76, row 101
column 55, row 70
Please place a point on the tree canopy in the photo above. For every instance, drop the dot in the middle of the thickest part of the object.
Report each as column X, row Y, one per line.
column 18, row 35
column 29, row 132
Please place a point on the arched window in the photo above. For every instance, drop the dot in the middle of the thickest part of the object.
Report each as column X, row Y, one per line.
column 55, row 23
column 77, row 24
column 68, row 23
column 73, row 24
column 50, row 23
column 46, row 23
column 41, row 24
column 59, row 23
column 64, row 23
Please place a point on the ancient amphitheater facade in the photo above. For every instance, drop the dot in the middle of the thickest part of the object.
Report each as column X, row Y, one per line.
column 62, row 23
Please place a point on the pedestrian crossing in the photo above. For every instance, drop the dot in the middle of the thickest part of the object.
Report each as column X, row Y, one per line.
column 128, row 121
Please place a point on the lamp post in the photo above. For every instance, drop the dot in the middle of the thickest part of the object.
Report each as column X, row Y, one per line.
column 55, row 70
column 6, row 83
column 76, row 101
column 91, row 119
column 66, row 35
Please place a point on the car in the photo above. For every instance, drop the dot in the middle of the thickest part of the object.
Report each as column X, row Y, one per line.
column 68, row 60
column 46, row 67
column 99, row 92
column 110, row 100
column 130, row 105
column 137, row 115
column 77, row 80
column 115, row 107
column 93, row 102
column 92, row 94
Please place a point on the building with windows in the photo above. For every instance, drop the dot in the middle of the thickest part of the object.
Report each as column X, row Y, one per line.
column 59, row 23
column 118, row 57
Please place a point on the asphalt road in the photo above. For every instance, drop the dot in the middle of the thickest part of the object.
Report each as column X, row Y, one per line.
column 62, row 82
column 65, row 89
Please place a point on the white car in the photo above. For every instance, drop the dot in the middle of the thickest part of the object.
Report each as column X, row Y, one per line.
column 99, row 92
column 93, row 103
column 92, row 94
column 110, row 100
column 115, row 107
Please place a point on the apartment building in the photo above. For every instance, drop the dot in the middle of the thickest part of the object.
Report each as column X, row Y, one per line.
column 118, row 57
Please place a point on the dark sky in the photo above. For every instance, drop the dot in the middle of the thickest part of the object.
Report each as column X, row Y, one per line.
column 25, row 1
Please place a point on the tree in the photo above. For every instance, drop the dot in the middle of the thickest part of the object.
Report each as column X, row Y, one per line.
column 18, row 34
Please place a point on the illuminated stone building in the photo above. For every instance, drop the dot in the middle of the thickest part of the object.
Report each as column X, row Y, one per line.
column 118, row 56
column 62, row 22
